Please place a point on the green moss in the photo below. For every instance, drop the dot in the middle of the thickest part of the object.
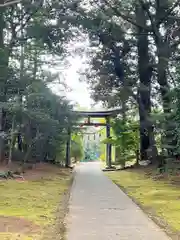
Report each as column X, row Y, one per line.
column 36, row 201
column 160, row 196
column 11, row 236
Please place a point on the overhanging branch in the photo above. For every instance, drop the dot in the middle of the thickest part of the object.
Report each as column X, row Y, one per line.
column 125, row 17
column 153, row 25
column 9, row 3
column 169, row 12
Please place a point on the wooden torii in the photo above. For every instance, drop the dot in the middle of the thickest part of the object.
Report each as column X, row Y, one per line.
column 94, row 114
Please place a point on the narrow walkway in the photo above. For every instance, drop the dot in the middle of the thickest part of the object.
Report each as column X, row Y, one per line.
column 99, row 210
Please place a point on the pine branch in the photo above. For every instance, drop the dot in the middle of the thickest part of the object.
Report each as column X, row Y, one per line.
column 28, row 18
column 175, row 45
column 169, row 12
column 31, row 14
column 7, row 3
column 125, row 17
column 153, row 25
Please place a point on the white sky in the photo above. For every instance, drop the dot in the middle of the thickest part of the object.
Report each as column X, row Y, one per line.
column 77, row 61
column 79, row 90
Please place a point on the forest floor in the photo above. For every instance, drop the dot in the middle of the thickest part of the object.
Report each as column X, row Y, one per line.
column 157, row 195
column 34, row 208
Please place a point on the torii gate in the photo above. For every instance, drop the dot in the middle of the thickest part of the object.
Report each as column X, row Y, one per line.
column 94, row 114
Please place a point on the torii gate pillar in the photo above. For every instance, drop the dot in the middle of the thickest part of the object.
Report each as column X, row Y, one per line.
column 68, row 149
column 108, row 146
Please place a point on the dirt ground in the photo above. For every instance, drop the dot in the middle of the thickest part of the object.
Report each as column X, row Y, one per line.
column 24, row 226
column 38, row 171
column 172, row 177
column 20, row 225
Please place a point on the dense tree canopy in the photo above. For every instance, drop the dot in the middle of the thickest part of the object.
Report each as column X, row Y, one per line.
column 33, row 120
column 133, row 64
column 135, row 59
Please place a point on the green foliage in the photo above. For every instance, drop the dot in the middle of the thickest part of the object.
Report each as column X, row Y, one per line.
column 125, row 68
column 124, row 71
column 34, row 120
column 77, row 151
column 91, row 152
column 125, row 140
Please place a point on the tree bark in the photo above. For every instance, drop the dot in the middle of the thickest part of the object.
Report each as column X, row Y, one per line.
column 12, row 140
column 164, row 52
column 145, row 75
column 3, row 74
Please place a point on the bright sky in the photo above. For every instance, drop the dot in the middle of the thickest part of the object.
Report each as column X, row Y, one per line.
column 77, row 61
column 79, row 90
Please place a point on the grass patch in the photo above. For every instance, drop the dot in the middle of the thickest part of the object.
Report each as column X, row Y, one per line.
column 159, row 198
column 11, row 236
column 33, row 203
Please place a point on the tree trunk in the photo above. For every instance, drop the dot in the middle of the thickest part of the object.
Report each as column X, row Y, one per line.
column 163, row 58
column 3, row 76
column 145, row 75
column 124, row 118
column 20, row 142
column 20, row 93
column 12, row 140
column 164, row 53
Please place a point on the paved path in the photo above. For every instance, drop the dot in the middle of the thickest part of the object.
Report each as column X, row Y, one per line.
column 99, row 210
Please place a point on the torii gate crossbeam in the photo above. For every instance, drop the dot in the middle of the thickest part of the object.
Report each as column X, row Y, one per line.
column 94, row 114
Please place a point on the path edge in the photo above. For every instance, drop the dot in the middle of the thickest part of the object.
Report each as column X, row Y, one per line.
column 58, row 231
column 66, row 204
column 150, row 213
